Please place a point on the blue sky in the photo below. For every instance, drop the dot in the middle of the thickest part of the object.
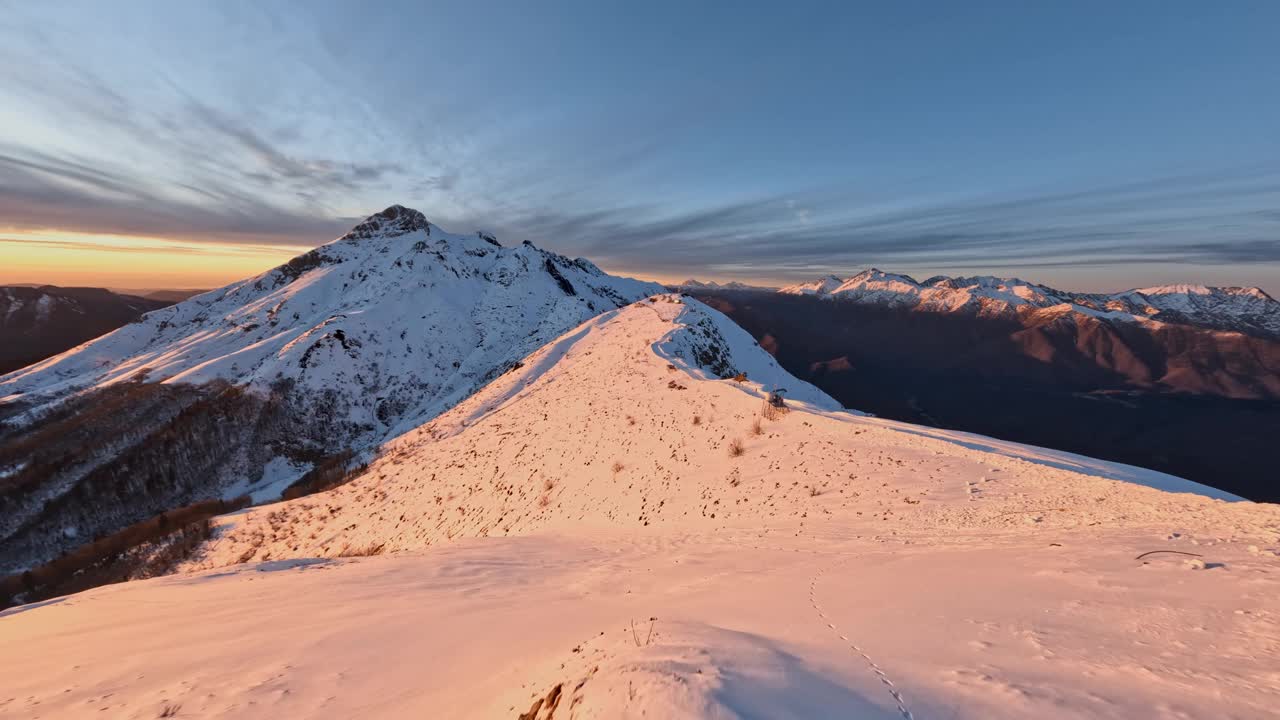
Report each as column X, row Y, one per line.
column 1088, row 145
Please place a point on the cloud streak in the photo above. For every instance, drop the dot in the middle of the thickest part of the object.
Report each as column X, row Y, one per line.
column 41, row 192
column 1165, row 220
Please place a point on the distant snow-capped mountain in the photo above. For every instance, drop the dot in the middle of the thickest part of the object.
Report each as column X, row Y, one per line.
column 1246, row 310
column 335, row 351
column 822, row 286
column 695, row 285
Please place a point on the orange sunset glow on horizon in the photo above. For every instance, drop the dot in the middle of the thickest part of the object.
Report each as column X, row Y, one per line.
column 130, row 262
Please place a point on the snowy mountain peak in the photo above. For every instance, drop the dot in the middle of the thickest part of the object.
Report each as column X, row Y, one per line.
column 395, row 221
column 1185, row 289
column 336, row 350
column 875, row 279
column 873, row 274
column 821, row 287
column 370, row 308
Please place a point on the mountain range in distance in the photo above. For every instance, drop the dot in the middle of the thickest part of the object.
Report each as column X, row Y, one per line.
column 1185, row 379
column 1180, row 338
column 1250, row 311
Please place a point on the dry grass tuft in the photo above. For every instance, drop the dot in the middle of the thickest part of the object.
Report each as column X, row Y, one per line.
column 775, row 407
column 697, row 419
column 617, row 467
column 367, row 551
column 755, row 427
column 736, row 448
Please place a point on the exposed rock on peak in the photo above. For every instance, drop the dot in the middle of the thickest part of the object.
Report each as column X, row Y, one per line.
column 394, row 221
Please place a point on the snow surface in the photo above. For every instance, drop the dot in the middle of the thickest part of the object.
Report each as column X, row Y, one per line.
column 582, row 523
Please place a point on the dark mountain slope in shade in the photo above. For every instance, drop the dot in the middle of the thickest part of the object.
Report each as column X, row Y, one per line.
column 39, row 322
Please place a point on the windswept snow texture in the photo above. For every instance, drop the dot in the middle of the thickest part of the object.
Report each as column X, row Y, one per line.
column 618, row 528
column 1247, row 310
column 394, row 322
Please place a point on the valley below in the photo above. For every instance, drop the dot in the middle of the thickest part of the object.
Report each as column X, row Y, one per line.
column 1165, row 410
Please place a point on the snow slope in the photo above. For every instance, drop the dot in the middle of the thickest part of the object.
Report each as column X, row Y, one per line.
column 584, row 533
column 1247, row 310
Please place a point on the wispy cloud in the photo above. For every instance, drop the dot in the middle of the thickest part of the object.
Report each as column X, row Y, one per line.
column 1159, row 220
column 180, row 168
column 313, row 120
column 64, row 193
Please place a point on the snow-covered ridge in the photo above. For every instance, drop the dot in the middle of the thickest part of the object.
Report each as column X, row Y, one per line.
column 1247, row 310
column 615, row 529
column 664, row 386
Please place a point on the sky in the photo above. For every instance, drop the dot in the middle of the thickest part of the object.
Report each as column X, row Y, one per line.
column 1087, row 145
